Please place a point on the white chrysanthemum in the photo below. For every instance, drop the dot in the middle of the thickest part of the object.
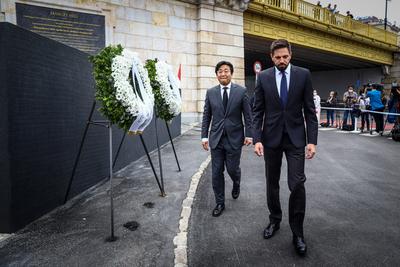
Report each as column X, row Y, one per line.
column 169, row 87
column 141, row 108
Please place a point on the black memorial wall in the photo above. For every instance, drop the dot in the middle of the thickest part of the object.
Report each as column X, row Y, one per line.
column 46, row 93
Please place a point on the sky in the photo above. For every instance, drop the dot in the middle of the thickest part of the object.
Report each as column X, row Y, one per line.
column 361, row 8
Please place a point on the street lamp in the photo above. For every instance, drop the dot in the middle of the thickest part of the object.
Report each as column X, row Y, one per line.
column 386, row 13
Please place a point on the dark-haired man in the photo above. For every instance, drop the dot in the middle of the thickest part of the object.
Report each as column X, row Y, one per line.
column 225, row 106
column 283, row 94
column 349, row 98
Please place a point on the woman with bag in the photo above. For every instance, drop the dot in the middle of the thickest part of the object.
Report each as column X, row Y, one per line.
column 363, row 101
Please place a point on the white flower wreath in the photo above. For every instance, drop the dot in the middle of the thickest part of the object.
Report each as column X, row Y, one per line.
column 169, row 87
column 128, row 95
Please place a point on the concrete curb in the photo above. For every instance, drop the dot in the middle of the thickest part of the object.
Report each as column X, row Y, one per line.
column 180, row 240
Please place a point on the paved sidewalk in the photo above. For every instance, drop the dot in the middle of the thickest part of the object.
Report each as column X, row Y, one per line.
column 74, row 235
column 352, row 216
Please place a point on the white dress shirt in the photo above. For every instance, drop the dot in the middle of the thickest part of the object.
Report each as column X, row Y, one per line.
column 278, row 77
column 228, row 91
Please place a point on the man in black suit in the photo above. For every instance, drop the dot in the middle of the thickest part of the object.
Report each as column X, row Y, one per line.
column 225, row 106
column 283, row 94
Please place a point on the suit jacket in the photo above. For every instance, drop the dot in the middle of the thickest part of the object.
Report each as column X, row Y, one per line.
column 231, row 121
column 270, row 117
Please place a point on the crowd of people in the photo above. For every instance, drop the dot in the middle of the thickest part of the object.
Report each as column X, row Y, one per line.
column 332, row 10
column 364, row 104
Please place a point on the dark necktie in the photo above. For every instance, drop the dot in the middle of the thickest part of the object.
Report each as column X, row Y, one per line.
column 284, row 89
column 225, row 97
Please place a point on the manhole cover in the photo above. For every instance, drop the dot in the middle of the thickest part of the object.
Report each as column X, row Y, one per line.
column 132, row 225
column 149, row 205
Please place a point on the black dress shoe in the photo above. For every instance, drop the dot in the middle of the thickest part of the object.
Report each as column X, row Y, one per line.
column 300, row 245
column 218, row 210
column 235, row 192
column 270, row 230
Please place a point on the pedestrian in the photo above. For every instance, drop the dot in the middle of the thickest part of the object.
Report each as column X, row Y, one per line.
column 349, row 99
column 317, row 11
column 283, row 94
column 331, row 9
column 225, row 106
column 375, row 97
column 348, row 14
column 394, row 103
column 317, row 104
column 363, row 102
column 331, row 103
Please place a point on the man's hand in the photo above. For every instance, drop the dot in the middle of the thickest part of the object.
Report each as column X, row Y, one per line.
column 310, row 151
column 248, row 141
column 205, row 145
column 259, row 149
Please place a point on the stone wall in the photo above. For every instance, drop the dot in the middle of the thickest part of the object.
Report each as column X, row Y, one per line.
column 196, row 34
column 395, row 69
column 220, row 38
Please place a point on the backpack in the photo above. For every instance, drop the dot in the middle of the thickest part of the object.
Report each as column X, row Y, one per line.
column 396, row 132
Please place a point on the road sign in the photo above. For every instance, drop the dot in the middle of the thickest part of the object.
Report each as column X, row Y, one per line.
column 257, row 67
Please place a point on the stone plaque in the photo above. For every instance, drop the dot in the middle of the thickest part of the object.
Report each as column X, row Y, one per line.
column 83, row 31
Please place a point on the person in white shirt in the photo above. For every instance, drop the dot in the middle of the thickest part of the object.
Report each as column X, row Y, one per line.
column 317, row 103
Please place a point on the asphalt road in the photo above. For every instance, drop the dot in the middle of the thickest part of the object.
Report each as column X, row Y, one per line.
column 352, row 214
column 352, row 217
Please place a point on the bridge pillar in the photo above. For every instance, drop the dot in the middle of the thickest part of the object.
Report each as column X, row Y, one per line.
column 395, row 69
column 220, row 37
column 393, row 74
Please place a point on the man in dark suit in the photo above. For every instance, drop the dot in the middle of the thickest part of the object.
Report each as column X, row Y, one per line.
column 225, row 106
column 283, row 94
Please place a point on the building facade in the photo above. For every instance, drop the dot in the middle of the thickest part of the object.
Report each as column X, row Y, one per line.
column 194, row 34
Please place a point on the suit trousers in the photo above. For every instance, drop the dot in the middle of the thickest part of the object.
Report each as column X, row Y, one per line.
column 296, row 178
column 224, row 155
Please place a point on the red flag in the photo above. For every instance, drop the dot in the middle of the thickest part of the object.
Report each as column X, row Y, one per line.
column 179, row 72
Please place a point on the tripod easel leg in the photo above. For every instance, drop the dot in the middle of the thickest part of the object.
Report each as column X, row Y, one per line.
column 173, row 147
column 112, row 237
column 151, row 164
column 159, row 160
column 119, row 148
column 79, row 152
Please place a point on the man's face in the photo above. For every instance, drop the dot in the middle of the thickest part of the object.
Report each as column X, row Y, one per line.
column 281, row 58
column 224, row 75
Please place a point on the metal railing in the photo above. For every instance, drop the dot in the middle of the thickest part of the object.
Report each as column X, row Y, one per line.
column 362, row 123
column 323, row 15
